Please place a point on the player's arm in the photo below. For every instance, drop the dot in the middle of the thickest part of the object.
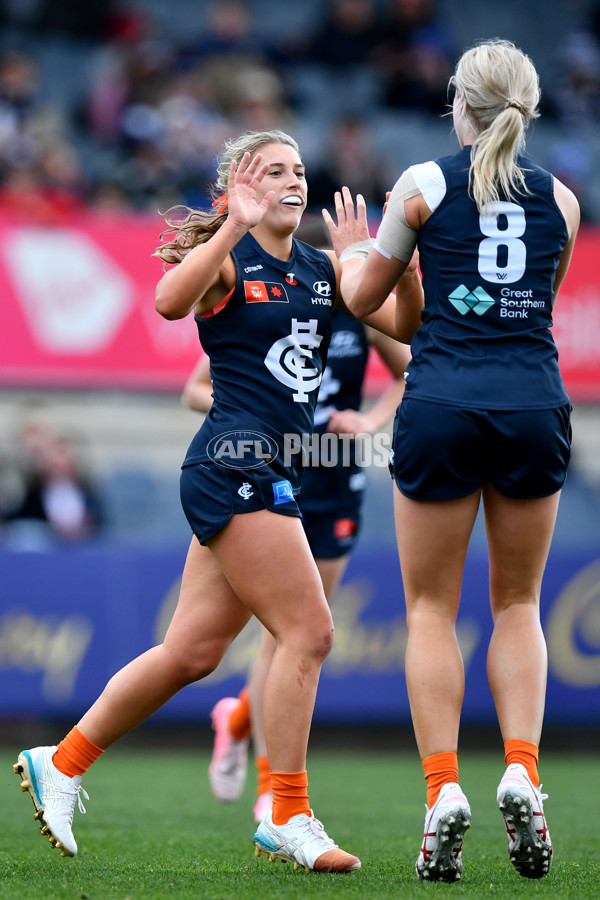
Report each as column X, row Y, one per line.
column 368, row 276
column 202, row 279
column 197, row 393
column 568, row 205
column 207, row 273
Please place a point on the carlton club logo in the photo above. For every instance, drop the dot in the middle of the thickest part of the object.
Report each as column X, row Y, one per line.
column 289, row 359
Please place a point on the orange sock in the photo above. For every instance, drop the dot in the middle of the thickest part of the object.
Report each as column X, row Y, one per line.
column 439, row 769
column 75, row 754
column 517, row 751
column 290, row 795
column 263, row 775
column 239, row 720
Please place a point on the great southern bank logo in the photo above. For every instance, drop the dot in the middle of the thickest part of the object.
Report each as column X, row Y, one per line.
column 462, row 299
column 242, row 449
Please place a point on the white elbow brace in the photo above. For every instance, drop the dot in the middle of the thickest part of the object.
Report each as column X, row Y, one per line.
column 395, row 236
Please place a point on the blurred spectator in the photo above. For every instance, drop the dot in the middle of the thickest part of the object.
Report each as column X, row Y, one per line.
column 414, row 57
column 346, row 35
column 109, row 198
column 259, row 101
column 128, row 75
column 57, row 492
column 11, row 485
column 229, row 41
column 40, row 175
column 19, row 82
column 328, row 71
column 349, row 159
column 157, row 107
column 19, row 99
column 576, row 91
column 193, row 132
column 574, row 100
column 29, row 195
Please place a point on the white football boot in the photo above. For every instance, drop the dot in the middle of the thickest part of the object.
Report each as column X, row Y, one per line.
column 529, row 844
column 54, row 796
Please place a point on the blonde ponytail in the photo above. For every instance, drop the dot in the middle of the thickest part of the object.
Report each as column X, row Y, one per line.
column 501, row 90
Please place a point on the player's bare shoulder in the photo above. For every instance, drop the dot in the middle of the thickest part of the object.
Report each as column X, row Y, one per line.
column 568, row 204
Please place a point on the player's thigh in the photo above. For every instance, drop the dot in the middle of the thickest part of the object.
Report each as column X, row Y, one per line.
column 267, row 561
column 208, row 612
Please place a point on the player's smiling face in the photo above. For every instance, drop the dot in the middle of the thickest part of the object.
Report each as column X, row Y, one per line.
column 287, row 178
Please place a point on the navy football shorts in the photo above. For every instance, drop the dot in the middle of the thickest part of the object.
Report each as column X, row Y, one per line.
column 444, row 452
column 331, row 534
column 211, row 494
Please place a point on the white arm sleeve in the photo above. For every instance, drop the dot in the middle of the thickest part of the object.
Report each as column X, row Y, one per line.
column 395, row 236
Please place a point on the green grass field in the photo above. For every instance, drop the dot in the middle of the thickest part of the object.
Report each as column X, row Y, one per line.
column 153, row 831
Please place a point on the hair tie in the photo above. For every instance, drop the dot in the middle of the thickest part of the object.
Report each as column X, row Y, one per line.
column 221, row 203
column 515, row 104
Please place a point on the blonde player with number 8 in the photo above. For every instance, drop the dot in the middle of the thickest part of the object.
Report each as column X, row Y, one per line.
column 485, row 418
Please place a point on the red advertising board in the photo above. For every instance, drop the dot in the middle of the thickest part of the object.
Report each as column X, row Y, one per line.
column 77, row 311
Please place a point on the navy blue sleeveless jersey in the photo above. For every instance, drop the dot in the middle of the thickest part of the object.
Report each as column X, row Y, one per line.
column 267, row 342
column 340, row 487
column 485, row 339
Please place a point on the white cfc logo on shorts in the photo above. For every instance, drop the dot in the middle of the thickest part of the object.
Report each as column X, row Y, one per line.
column 289, row 359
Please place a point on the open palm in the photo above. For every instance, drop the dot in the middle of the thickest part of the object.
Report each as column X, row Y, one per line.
column 243, row 182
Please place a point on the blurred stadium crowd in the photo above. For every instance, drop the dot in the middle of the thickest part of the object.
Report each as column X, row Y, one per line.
column 123, row 104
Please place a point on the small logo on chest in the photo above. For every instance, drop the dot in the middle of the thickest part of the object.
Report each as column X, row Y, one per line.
column 265, row 292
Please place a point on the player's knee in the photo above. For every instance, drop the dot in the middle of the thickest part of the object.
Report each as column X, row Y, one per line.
column 319, row 641
column 326, row 644
column 194, row 664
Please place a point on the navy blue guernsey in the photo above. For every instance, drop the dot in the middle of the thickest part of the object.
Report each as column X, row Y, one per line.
column 267, row 343
column 341, row 388
column 485, row 339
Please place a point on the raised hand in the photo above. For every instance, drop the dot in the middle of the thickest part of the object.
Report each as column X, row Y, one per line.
column 242, row 185
column 351, row 225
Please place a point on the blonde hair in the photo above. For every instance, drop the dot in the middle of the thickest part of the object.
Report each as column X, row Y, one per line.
column 191, row 227
column 500, row 87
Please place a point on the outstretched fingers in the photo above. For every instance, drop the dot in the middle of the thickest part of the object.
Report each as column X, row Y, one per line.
column 248, row 171
column 245, row 177
column 351, row 225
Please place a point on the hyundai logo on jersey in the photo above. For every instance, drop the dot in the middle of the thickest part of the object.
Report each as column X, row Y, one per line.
column 322, row 287
column 263, row 291
column 242, row 449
